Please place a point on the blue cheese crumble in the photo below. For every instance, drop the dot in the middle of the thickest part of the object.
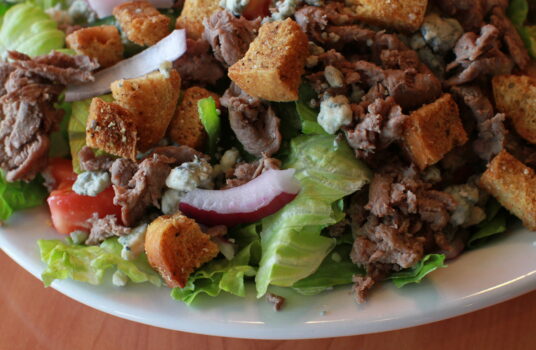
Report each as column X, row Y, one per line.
column 441, row 34
column 170, row 201
column 188, row 176
column 236, row 7
column 334, row 113
column 91, row 183
column 133, row 243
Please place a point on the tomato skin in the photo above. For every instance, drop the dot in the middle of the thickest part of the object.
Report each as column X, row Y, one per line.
column 256, row 8
column 70, row 211
column 59, row 173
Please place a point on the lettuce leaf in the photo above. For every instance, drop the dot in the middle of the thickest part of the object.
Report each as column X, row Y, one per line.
column 518, row 12
column 292, row 246
column 19, row 195
column 429, row 263
column 28, row 29
column 76, row 129
column 336, row 269
column 494, row 223
column 59, row 140
column 89, row 263
column 210, row 118
column 224, row 275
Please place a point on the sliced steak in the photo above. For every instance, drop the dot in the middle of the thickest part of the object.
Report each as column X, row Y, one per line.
column 229, row 36
column 198, row 66
column 104, row 228
column 254, row 123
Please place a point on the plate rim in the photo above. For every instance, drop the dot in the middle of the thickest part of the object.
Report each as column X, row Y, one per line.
column 503, row 292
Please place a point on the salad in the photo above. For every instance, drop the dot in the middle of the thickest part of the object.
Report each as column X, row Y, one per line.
column 306, row 144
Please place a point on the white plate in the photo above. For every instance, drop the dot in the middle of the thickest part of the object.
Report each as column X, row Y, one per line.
column 499, row 271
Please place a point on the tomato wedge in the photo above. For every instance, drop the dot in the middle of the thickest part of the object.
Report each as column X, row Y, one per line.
column 256, row 8
column 70, row 211
column 59, row 173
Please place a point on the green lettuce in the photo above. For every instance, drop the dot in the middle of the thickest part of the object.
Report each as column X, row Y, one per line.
column 292, row 246
column 494, row 224
column 76, row 129
column 518, row 11
column 336, row 269
column 89, row 263
column 429, row 263
column 224, row 275
column 19, row 195
column 210, row 118
column 28, row 29
column 59, row 140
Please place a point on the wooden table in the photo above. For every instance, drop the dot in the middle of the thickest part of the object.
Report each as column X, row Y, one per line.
column 37, row 318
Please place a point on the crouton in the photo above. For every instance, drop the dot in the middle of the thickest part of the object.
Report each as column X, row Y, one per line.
column 176, row 247
column 515, row 96
column 192, row 16
column 273, row 64
column 142, row 22
column 433, row 130
column 102, row 43
column 111, row 128
column 152, row 99
column 406, row 15
column 514, row 185
column 186, row 127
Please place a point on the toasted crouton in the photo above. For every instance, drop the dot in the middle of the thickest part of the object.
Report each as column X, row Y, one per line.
column 514, row 185
column 433, row 130
column 515, row 96
column 102, row 43
column 176, row 247
column 192, row 16
column 142, row 22
column 152, row 99
column 273, row 64
column 406, row 15
column 186, row 127
column 111, row 128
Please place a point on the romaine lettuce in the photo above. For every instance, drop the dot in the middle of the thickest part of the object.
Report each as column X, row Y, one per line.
column 494, row 223
column 77, row 128
column 210, row 118
column 518, row 11
column 89, row 263
column 429, row 263
column 224, row 275
column 28, row 29
column 336, row 269
column 292, row 246
column 19, row 195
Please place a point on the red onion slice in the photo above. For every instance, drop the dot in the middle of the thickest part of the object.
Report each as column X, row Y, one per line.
column 168, row 49
column 250, row 202
column 104, row 8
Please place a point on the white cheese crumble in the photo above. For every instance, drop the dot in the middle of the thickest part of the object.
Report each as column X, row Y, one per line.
column 165, row 68
column 441, row 34
column 171, row 200
column 78, row 236
column 188, row 176
column 91, row 183
column 236, row 7
column 119, row 278
column 133, row 243
column 227, row 162
column 334, row 113
column 467, row 213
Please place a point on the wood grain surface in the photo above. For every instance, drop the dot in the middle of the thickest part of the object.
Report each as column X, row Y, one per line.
column 36, row 318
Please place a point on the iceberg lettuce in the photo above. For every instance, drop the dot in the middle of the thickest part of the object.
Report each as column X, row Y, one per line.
column 225, row 275
column 28, row 29
column 89, row 263
column 415, row 274
column 19, row 195
column 292, row 245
